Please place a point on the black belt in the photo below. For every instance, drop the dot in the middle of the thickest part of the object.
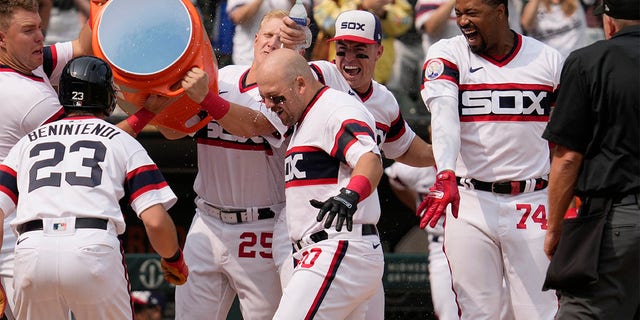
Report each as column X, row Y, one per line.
column 265, row 213
column 507, row 187
column 628, row 199
column 367, row 230
column 81, row 223
column 234, row 216
column 616, row 200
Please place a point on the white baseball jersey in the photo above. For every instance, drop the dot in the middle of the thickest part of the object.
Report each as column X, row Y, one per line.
column 503, row 105
column 27, row 103
column 89, row 164
column 333, row 133
column 236, row 174
column 245, row 32
column 225, row 159
column 393, row 134
column 78, row 167
column 326, row 143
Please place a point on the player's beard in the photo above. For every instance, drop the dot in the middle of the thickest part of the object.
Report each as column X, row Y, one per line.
column 478, row 49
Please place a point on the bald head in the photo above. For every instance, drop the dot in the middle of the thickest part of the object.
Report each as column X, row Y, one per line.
column 284, row 64
column 286, row 83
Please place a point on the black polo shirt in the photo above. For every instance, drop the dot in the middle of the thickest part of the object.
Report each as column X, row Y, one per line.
column 598, row 114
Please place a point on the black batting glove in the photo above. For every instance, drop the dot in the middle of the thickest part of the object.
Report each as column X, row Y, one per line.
column 344, row 205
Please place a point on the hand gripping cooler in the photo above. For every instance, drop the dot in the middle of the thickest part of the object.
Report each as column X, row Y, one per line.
column 150, row 45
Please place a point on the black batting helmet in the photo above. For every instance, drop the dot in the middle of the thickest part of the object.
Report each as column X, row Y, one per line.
column 86, row 84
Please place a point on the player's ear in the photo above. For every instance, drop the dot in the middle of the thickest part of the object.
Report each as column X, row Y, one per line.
column 379, row 51
column 298, row 84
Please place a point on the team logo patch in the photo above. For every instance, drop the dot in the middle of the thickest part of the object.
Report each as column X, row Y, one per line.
column 434, row 69
column 60, row 226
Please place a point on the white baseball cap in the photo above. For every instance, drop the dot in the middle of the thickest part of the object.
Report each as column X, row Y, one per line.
column 358, row 25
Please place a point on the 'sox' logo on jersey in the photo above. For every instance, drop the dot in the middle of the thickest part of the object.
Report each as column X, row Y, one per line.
column 381, row 134
column 309, row 166
column 291, row 170
column 215, row 131
column 505, row 102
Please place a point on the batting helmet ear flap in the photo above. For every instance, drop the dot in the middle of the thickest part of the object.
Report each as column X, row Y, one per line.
column 86, row 84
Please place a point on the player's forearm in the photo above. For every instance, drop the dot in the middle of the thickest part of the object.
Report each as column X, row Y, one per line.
column 171, row 134
column 246, row 122
column 419, row 154
column 445, row 126
column 136, row 122
column 160, row 230
column 407, row 196
column 565, row 167
column 369, row 166
column 82, row 45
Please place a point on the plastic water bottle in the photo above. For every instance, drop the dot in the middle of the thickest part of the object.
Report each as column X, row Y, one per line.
column 298, row 13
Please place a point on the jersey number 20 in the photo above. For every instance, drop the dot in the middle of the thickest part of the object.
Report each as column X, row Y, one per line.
column 54, row 179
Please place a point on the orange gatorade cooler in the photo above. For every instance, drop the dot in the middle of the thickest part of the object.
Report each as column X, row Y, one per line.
column 150, row 45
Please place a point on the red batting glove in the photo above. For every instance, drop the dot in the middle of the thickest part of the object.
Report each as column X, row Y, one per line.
column 443, row 192
column 175, row 269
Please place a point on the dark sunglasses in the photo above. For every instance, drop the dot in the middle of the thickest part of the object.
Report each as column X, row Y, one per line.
column 275, row 100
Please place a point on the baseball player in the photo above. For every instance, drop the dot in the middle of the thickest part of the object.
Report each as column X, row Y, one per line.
column 240, row 190
column 65, row 180
column 27, row 72
column 332, row 155
column 490, row 92
column 357, row 52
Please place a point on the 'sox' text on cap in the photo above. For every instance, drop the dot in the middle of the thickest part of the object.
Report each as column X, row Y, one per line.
column 358, row 25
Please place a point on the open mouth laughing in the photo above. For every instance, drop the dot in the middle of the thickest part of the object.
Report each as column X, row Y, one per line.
column 351, row 70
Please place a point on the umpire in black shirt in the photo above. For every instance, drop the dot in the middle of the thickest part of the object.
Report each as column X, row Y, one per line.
column 597, row 158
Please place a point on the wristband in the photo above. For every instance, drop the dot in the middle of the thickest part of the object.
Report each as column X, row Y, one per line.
column 215, row 106
column 138, row 120
column 175, row 257
column 361, row 185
